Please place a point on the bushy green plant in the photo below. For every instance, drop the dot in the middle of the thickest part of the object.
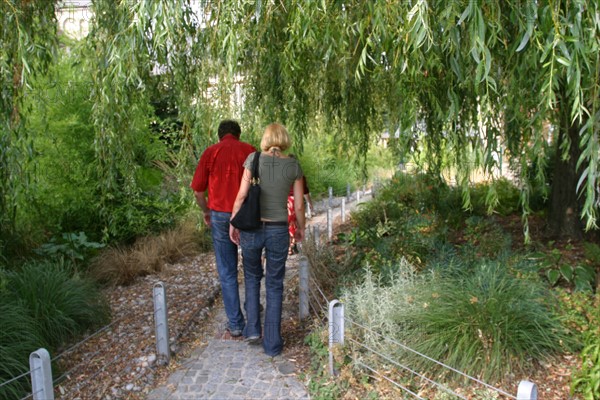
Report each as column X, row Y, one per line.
column 501, row 196
column 486, row 236
column 19, row 336
column 63, row 304
column 74, row 246
column 42, row 304
column 487, row 323
column 557, row 269
column 324, row 171
column 66, row 194
column 587, row 380
column 142, row 215
column 63, row 195
column 374, row 303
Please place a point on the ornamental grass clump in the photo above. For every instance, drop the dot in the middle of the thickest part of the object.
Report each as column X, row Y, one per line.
column 42, row 305
column 487, row 323
column 62, row 303
column 19, row 337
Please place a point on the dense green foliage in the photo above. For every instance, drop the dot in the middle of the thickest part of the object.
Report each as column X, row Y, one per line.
column 587, row 380
column 486, row 322
column 467, row 83
column 455, row 285
column 43, row 304
column 27, row 44
column 351, row 69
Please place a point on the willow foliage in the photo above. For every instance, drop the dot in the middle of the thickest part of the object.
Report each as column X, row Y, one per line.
column 481, row 77
column 466, row 82
column 27, row 46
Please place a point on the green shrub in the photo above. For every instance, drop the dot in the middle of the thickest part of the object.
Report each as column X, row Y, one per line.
column 586, row 381
column 486, row 236
column 501, row 196
column 325, row 172
column 19, row 336
column 62, row 304
column 487, row 323
column 41, row 305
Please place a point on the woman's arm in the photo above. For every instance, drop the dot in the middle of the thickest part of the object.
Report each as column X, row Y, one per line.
column 234, row 234
column 299, row 208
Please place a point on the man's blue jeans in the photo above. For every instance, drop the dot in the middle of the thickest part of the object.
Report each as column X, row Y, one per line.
column 275, row 240
column 226, row 254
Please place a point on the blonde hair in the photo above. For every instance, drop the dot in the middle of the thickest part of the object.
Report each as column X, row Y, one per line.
column 275, row 136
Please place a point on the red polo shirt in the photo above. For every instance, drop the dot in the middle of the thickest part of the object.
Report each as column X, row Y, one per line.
column 220, row 171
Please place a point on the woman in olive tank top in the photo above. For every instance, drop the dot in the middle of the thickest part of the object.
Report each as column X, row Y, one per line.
column 277, row 173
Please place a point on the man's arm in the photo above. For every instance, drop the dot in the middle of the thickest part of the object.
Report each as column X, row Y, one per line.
column 201, row 200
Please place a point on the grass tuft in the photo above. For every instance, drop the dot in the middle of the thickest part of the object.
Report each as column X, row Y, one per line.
column 119, row 265
column 488, row 323
column 42, row 304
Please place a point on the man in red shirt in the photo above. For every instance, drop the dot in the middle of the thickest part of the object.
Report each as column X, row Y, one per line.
column 219, row 174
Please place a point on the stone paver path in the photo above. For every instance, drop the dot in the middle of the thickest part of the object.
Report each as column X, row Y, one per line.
column 233, row 369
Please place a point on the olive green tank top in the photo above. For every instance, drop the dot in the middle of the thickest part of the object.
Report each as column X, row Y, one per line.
column 277, row 175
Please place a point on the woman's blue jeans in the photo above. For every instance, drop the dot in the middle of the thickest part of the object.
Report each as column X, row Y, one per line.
column 226, row 254
column 275, row 240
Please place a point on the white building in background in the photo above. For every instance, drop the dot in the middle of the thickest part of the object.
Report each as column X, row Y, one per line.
column 73, row 17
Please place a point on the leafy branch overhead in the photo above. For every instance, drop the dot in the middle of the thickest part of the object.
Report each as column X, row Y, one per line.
column 466, row 83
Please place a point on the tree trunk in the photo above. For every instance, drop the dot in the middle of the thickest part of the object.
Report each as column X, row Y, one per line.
column 564, row 217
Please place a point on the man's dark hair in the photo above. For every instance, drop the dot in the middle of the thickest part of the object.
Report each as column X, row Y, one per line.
column 229, row 126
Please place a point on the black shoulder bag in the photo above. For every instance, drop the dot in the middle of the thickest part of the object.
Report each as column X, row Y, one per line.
column 248, row 216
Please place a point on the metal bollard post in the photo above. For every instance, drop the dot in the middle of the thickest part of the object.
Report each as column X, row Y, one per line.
column 348, row 191
column 330, row 191
column 527, row 391
column 41, row 375
column 329, row 224
column 358, row 196
column 303, row 294
column 343, row 210
column 336, row 329
column 316, row 235
column 161, row 324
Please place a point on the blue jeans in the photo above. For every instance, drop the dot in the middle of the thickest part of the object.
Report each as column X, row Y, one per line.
column 226, row 254
column 275, row 240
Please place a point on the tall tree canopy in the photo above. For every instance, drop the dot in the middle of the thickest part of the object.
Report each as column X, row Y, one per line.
column 465, row 81
column 483, row 77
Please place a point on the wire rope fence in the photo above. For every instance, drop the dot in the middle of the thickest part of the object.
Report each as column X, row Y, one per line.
column 338, row 337
column 97, row 362
column 405, row 378
column 40, row 375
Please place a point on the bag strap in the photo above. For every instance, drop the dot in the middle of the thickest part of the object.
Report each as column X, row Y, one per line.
column 255, row 166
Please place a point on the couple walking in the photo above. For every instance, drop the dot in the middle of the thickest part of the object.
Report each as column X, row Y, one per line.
column 224, row 173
